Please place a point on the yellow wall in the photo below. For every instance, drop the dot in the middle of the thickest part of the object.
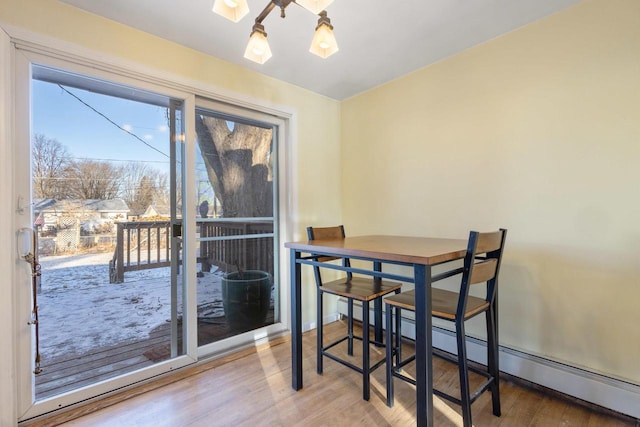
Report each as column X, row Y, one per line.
column 537, row 131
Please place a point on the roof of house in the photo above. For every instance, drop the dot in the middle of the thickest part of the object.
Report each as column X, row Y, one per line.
column 157, row 210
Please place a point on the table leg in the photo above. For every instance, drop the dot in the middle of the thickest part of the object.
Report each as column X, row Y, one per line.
column 424, row 368
column 296, row 321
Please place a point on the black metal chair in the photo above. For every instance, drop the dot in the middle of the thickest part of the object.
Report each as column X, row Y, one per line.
column 363, row 289
column 457, row 307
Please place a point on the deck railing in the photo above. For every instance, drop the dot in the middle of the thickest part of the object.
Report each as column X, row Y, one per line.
column 140, row 246
column 236, row 243
column 228, row 243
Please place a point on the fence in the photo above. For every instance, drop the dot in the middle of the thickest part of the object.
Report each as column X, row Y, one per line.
column 58, row 245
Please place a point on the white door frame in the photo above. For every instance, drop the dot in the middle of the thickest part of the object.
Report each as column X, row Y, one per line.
column 107, row 67
column 28, row 407
column 8, row 383
column 280, row 126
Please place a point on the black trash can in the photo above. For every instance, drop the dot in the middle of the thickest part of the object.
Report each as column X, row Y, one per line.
column 246, row 297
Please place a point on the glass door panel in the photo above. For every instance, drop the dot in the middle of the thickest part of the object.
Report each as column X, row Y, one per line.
column 235, row 171
column 106, row 201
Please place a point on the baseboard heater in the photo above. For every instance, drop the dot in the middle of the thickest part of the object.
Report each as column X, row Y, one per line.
column 611, row 393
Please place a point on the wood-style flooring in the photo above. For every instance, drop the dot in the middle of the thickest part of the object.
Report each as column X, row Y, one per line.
column 253, row 388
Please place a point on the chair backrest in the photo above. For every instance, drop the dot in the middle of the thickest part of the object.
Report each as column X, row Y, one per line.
column 482, row 264
column 326, row 233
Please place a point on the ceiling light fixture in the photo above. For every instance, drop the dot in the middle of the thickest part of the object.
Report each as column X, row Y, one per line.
column 233, row 10
column 323, row 44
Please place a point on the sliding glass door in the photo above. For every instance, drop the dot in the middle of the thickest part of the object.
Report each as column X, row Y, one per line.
column 148, row 224
column 236, row 176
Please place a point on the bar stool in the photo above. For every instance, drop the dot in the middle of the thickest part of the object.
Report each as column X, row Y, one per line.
column 457, row 307
column 363, row 289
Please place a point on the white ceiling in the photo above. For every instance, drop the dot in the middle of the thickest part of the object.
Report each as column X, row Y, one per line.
column 379, row 40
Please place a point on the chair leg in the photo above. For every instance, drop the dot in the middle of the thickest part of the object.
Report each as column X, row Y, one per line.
column 350, row 327
column 366, row 364
column 319, row 344
column 398, row 340
column 463, row 371
column 493, row 358
column 377, row 310
column 390, row 350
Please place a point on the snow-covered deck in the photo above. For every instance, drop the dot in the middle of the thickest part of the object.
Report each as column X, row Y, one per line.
column 91, row 330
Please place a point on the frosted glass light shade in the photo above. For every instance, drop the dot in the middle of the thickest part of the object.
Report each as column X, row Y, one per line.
column 258, row 49
column 324, row 43
column 233, row 10
column 315, row 6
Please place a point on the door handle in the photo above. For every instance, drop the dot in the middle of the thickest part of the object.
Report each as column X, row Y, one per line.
column 26, row 237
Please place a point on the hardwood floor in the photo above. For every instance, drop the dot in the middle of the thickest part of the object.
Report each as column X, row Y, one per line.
column 253, row 388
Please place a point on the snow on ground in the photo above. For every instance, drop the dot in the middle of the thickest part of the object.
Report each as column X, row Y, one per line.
column 80, row 310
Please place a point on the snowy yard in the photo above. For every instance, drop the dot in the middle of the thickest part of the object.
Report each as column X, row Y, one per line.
column 80, row 310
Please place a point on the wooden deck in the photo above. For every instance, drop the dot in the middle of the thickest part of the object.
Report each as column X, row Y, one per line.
column 71, row 371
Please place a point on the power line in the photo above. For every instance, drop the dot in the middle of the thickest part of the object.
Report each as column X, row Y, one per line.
column 111, row 121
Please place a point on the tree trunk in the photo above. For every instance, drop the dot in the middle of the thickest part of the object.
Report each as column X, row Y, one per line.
column 239, row 166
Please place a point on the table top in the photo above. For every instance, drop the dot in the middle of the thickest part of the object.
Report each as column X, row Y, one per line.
column 404, row 249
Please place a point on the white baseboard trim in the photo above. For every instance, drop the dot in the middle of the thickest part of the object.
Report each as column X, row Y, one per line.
column 308, row 326
column 611, row 393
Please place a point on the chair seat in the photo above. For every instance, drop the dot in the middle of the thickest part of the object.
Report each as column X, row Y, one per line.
column 443, row 303
column 360, row 288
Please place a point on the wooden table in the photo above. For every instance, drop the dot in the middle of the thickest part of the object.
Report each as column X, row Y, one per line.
column 420, row 253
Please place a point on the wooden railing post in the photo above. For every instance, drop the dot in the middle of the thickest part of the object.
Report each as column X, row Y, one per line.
column 120, row 254
column 167, row 237
column 243, row 247
column 205, row 247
